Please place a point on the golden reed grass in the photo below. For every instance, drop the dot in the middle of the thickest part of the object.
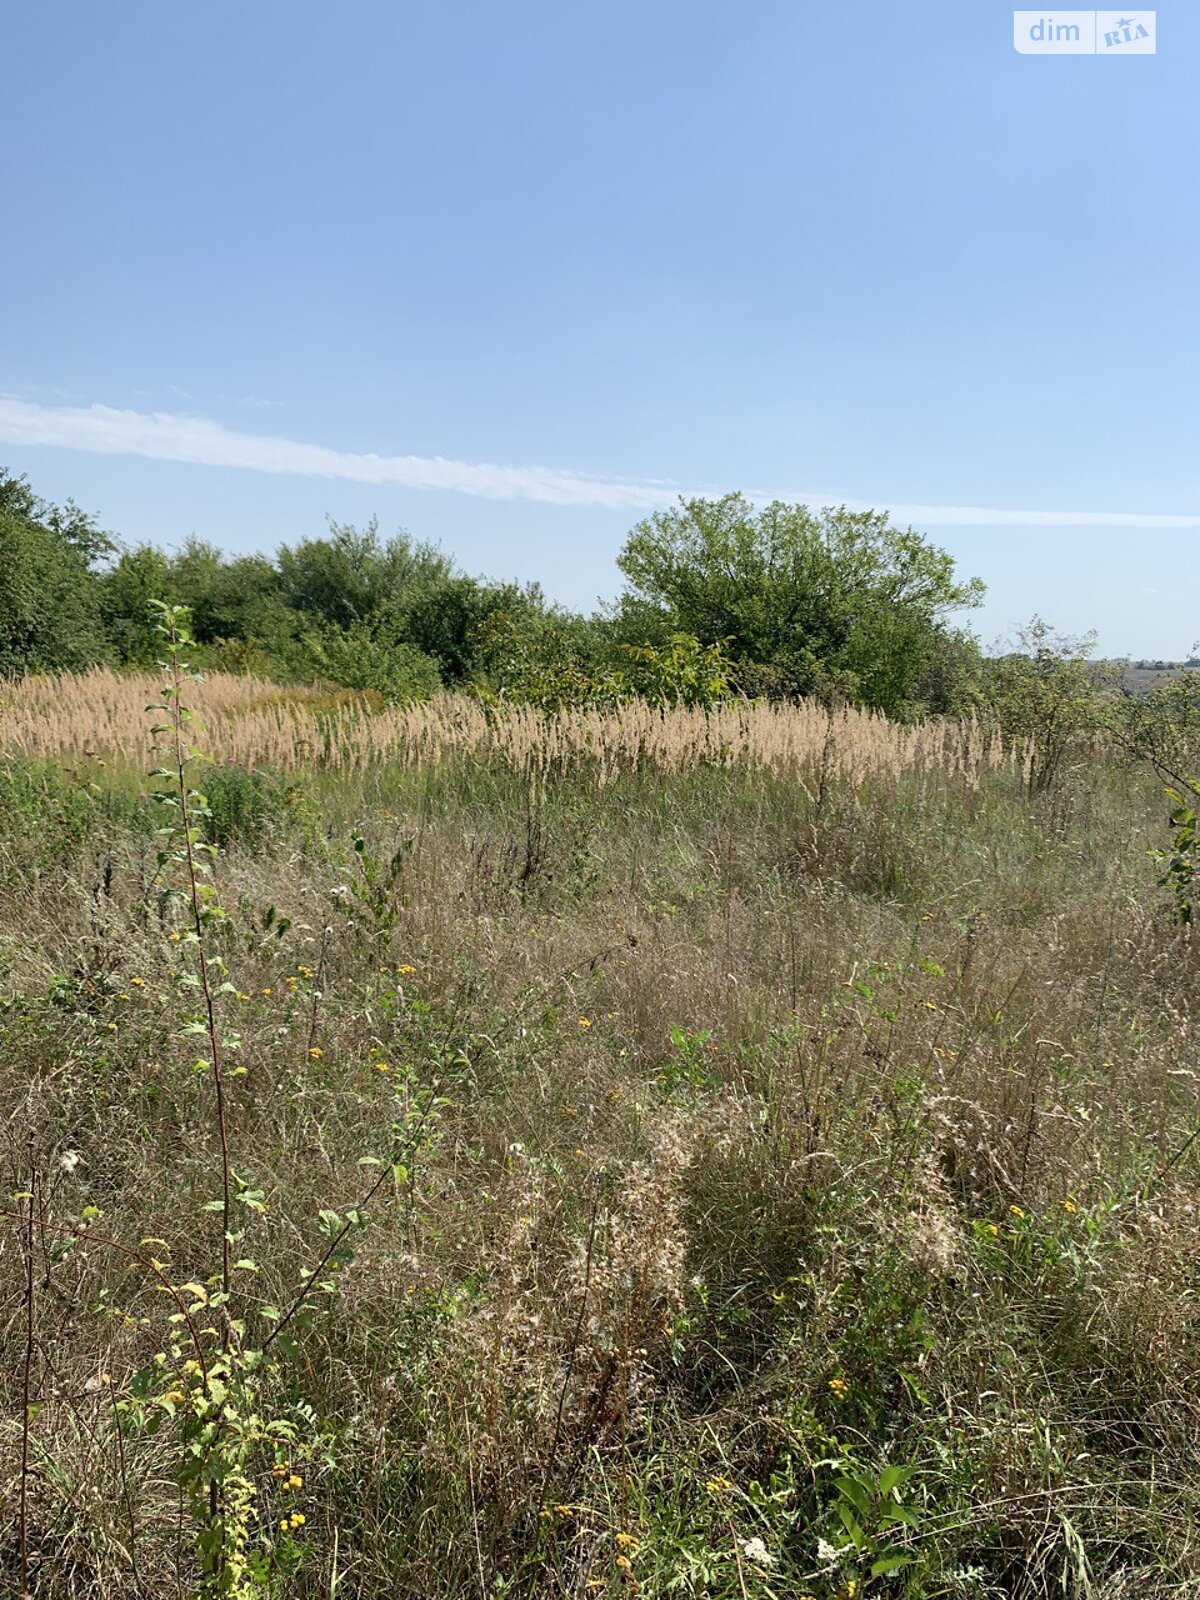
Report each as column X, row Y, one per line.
column 258, row 723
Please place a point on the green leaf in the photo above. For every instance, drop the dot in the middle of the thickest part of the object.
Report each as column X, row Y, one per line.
column 889, row 1563
column 852, row 1526
column 892, row 1477
column 853, row 1491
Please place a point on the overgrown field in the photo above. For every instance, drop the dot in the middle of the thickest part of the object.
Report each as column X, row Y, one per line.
column 708, row 1176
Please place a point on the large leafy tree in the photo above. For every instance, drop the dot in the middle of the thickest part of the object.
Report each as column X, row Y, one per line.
column 49, row 593
column 801, row 599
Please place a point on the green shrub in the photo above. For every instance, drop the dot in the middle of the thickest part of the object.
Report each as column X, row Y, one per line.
column 356, row 658
column 246, row 805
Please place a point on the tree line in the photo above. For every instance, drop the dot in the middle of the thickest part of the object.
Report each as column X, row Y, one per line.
column 720, row 597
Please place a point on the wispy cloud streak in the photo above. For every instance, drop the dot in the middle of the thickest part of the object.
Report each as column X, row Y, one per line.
column 200, row 441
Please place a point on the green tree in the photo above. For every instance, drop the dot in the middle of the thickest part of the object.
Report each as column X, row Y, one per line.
column 135, row 579
column 442, row 615
column 1048, row 696
column 231, row 599
column 835, row 595
column 1160, row 726
column 49, row 593
column 352, row 576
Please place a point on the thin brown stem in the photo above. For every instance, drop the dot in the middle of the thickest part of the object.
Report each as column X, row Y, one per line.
column 27, row 1380
column 571, row 1354
column 386, row 1172
column 126, row 1491
column 210, row 1010
column 143, row 1261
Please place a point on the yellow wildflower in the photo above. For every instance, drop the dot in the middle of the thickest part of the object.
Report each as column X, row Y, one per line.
column 1070, row 1207
column 406, row 969
column 840, row 1387
column 1016, row 1211
column 585, row 1022
column 314, row 1054
column 138, row 983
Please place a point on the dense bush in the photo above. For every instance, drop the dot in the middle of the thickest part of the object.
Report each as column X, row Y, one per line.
column 357, row 658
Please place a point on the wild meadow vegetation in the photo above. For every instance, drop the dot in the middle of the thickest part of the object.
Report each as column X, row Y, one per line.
column 489, row 1145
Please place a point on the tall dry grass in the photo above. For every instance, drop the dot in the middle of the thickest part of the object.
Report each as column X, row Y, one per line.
column 254, row 722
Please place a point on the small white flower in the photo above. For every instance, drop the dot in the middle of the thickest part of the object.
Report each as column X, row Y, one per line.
column 755, row 1550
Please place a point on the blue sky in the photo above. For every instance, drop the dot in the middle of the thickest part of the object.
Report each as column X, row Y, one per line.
column 509, row 275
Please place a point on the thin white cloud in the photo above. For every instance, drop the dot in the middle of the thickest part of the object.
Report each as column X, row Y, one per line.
column 998, row 517
column 171, row 436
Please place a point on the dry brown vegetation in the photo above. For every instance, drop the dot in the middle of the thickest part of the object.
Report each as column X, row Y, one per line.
column 259, row 724
column 781, row 1121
